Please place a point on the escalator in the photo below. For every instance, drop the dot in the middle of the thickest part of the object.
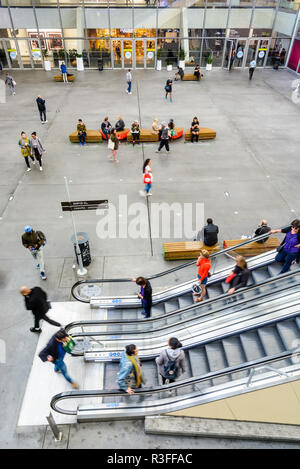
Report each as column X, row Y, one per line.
column 252, row 343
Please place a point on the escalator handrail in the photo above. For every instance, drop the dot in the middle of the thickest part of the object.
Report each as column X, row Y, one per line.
column 186, row 308
column 178, row 384
column 166, row 272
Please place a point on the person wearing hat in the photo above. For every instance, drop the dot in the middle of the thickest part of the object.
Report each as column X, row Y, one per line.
column 34, row 242
column 165, row 134
column 36, row 302
column 55, row 352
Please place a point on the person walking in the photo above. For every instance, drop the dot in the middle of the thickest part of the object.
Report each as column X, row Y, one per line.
column 145, row 295
column 168, row 88
column 129, row 81
column 204, row 265
column 239, row 277
column 130, row 376
column 24, row 144
column 37, row 149
column 289, row 250
column 113, row 145
column 195, row 129
column 147, row 177
column 10, row 82
column 81, row 130
column 55, row 352
column 135, row 132
column 252, row 67
column 42, row 108
column 106, row 127
column 36, row 302
column 63, row 69
column 171, row 361
column 232, row 59
column 35, row 241
column 164, row 141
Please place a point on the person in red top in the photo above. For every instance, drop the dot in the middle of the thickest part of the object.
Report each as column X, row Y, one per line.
column 204, row 265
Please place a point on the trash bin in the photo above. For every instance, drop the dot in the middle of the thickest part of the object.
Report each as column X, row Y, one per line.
column 83, row 241
column 100, row 65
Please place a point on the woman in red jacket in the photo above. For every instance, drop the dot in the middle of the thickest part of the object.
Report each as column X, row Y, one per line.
column 204, row 265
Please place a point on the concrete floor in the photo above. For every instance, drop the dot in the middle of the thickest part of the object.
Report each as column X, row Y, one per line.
column 254, row 158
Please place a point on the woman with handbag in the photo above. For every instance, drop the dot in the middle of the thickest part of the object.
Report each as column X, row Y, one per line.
column 147, row 175
column 204, row 265
column 238, row 278
column 24, row 144
column 195, row 129
column 289, row 250
column 113, row 145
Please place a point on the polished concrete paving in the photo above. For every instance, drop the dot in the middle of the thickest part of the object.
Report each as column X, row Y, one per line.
column 248, row 172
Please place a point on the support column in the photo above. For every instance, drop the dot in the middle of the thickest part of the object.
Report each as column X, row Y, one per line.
column 80, row 28
column 184, row 32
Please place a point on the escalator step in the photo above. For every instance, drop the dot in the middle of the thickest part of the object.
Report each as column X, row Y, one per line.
column 252, row 345
column 198, row 361
column 186, row 300
column 171, row 305
column 274, row 269
column 214, row 290
column 260, row 275
column 289, row 333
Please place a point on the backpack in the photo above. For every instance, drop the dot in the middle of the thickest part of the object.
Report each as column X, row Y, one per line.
column 170, row 366
column 41, row 237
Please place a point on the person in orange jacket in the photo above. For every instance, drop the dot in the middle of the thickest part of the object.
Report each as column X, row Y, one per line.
column 204, row 265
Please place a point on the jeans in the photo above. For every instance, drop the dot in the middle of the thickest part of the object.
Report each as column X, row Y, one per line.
column 60, row 365
column 106, row 133
column 164, row 143
column 37, row 320
column 147, row 309
column 39, row 255
column 82, row 137
column 148, row 187
column 286, row 259
column 129, row 87
column 65, row 77
column 43, row 114
column 251, row 71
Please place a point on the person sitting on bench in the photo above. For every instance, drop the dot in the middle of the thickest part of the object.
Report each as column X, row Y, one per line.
column 179, row 74
column 81, row 129
column 135, row 132
column 195, row 129
column 263, row 228
column 209, row 233
column 120, row 124
column 197, row 72
column 106, row 127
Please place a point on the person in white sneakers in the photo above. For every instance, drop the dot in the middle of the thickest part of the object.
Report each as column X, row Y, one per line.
column 42, row 108
column 147, row 171
column 129, row 81
column 37, row 149
column 24, row 144
column 35, row 241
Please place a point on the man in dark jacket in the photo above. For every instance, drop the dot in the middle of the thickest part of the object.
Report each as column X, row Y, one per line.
column 34, row 242
column 145, row 295
column 42, row 108
column 55, row 353
column 263, row 228
column 209, row 233
column 36, row 302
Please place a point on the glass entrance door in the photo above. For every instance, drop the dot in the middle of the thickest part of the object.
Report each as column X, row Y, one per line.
column 127, row 53
column 240, row 48
column 150, row 53
column 229, row 47
column 251, row 52
column 14, row 58
column 4, row 57
column 139, row 53
column 117, row 53
column 262, row 52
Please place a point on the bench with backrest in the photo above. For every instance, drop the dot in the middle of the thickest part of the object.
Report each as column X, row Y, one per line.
column 186, row 250
column 60, row 78
column 254, row 248
column 204, row 134
column 146, row 135
column 92, row 136
column 122, row 134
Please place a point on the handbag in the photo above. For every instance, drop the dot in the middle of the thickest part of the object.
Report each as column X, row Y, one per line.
column 14, row 83
column 69, row 345
column 229, row 278
column 147, row 178
column 111, row 144
column 279, row 248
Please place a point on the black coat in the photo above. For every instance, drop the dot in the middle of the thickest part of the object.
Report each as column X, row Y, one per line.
column 36, row 301
column 211, row 234
column 50, row 349
column 148, row 293
column 41, row 104
column 241, row 278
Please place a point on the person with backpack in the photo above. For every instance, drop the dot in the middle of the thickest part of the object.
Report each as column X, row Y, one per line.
column 10, row 82
column 130, row 375
column 145, row 295
column 171, row 361
column 36, row 302
column 168, row 88
column 204, row 265
column 37, row 149
column 34, row 241
column 55, row 351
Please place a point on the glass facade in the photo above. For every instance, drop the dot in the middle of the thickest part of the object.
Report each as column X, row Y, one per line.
column 138, row 33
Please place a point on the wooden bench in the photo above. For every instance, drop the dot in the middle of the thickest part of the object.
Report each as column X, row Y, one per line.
column 92, row 136
column 186, row 250
column 122, row 134
column 60, row 78
column 252, row 249
column 146, row 135
column 190, row 77
column 204, row 134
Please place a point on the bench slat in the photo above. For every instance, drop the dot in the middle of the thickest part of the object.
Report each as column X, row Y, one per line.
column 186, row 249
column 254, row 248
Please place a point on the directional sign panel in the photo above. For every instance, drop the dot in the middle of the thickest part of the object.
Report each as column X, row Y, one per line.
column 84, row 205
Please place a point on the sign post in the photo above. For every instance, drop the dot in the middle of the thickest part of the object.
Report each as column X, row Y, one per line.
column 81, row 271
